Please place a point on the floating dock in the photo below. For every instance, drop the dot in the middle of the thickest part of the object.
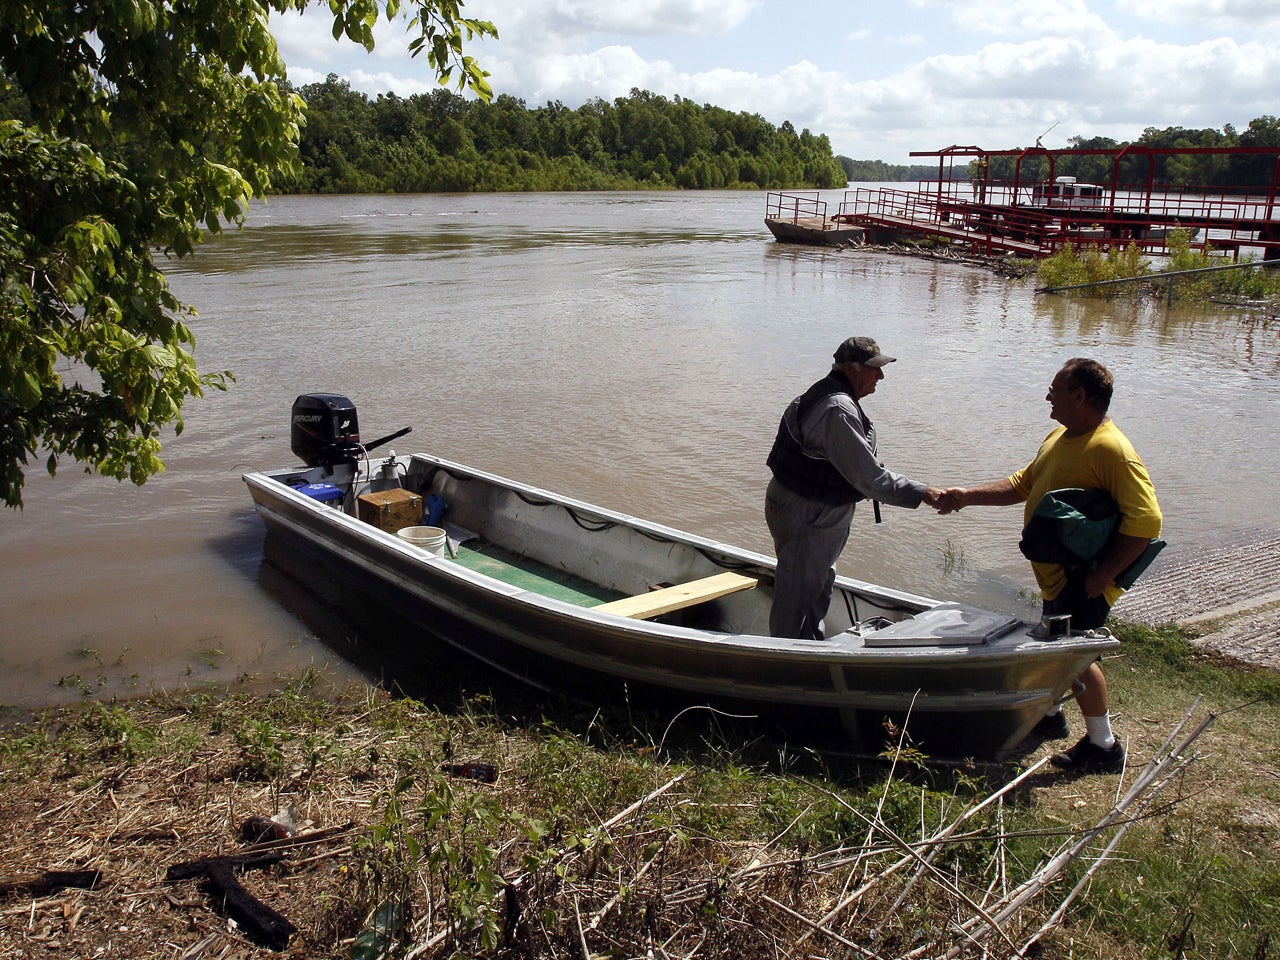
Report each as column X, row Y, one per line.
column 1036, row 213
column 803, row 218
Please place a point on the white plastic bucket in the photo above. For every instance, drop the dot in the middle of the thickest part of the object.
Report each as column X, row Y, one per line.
column 430, row 539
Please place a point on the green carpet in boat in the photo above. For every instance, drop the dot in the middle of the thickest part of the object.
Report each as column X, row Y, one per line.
column 531, row 575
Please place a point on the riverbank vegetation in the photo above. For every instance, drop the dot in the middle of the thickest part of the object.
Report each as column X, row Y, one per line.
column 442, row 142
column 877, row 171
column 1073, row 266
column 623, row 833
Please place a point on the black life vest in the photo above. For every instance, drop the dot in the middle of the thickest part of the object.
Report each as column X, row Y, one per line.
column 814, row 478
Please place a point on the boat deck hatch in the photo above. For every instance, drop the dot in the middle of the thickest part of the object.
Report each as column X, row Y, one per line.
column 948, row 624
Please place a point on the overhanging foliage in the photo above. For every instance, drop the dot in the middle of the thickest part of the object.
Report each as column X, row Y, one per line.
column 129, row 127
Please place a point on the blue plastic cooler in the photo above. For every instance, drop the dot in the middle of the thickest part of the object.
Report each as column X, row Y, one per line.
column 324, row 492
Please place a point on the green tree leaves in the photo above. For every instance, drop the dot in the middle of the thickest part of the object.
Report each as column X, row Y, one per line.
column 441, row 142
column 127, row 129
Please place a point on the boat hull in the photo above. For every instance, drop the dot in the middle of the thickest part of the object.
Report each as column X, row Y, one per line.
column 826, row 233
column 955, row 699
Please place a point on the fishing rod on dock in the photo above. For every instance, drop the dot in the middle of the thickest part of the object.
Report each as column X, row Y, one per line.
column 1046, row 133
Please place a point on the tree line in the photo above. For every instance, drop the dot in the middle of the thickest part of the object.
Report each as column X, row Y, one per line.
column 442, row 142
column 877, row 171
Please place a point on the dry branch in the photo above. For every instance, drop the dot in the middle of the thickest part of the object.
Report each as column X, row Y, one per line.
column 50, row 881
column 262, row 924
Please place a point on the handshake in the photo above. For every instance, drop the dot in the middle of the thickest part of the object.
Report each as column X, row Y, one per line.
column 946, row 501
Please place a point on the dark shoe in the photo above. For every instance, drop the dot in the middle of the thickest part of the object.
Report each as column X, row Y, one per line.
column 1086, row 757
column 1052, row 726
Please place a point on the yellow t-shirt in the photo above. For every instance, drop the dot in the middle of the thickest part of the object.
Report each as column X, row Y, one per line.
column 1101, row 459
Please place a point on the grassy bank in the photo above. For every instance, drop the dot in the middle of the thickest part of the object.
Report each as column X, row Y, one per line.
column 624, row 835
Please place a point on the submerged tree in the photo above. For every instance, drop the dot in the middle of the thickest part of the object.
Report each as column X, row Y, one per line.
column 127, row 127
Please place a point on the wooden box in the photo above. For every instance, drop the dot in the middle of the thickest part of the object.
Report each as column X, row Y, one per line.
column 390, row 510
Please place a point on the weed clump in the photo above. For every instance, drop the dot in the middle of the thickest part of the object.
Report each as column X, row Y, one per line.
column 1076, row 266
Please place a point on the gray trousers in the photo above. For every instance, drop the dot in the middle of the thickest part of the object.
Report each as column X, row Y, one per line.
column 808, row 538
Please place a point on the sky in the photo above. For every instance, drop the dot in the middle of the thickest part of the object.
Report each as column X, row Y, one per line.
column 881, row 79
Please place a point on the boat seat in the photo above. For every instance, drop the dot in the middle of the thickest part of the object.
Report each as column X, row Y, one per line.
column 656, row 602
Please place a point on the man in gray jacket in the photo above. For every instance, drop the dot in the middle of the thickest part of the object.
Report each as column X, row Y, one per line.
column 824, row 461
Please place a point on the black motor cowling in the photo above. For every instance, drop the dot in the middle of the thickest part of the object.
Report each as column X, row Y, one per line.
column 324, row 430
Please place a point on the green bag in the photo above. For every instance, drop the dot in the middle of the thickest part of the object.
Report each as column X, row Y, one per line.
column 1070, row 526
column 1131, row 573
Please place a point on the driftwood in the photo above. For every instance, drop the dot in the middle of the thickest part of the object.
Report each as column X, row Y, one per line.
column 50, row 881
column 260, row 923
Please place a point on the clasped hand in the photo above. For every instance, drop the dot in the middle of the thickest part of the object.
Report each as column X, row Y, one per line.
column 945, row 501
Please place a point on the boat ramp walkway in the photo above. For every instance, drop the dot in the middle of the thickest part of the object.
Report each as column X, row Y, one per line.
column 1229, row 595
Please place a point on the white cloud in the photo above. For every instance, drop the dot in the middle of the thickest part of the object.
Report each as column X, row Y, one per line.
column 372, row 84
column 996, row 74
column 559, row 23
column 574, row 78
column 305, row 39
column 1028, row 18
column 1216, row 15
column 1006, row 94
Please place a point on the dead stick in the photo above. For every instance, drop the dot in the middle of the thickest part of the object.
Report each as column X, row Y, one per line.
column 327, row 855
column 964, row 817
column 582, row 937
column 301, row 839
column 1136, row 794
column 623, row 815
column 818, row 928
column 1154, row 769
column 1056, row 918
column 244, row 908
column 940, row 878
column 755, row 860
column 897, row 753
column 51, row 881
column 632, row 884
column 852, row 898
column 263, row 924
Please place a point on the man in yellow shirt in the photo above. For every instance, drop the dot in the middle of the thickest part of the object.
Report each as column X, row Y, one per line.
column 1088, row 451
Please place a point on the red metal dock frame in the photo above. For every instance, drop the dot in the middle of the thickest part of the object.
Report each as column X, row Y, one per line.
column 1019, row 217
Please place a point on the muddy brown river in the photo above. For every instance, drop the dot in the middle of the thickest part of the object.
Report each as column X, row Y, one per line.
column 630, row 349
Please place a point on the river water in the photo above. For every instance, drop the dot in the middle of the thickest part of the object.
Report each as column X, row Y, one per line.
column 630, row 349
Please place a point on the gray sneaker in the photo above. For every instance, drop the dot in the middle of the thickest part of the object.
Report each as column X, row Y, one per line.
column 1087, row 757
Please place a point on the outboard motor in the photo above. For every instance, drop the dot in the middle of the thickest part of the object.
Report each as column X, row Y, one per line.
column 324, row 430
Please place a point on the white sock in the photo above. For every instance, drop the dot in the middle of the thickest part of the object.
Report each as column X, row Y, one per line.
column 1099, row 729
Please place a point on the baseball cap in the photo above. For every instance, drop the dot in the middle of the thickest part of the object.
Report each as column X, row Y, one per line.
column 862, row 350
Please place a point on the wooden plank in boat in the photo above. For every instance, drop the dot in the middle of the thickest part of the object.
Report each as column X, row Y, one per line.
column 656, row 602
